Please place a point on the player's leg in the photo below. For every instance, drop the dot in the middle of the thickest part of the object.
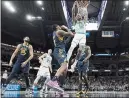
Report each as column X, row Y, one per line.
column 11, row 76
column 26, row 76
column 76, row 60
column 80, row 81
column 85, row 70
column 62, row 79
column 15, row 70
column 82, row 41
column 44, row 87
column 74, row 43
column 86, row 80
column 60, row 55
column 25, row 70
column 80, row 68
column 36, row 80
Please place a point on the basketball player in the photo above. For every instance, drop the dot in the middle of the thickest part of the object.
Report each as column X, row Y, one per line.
column 79, row 38
column 25, row 54
column 81, row 9
column 82, row 65
column 79, row 25
column 59, row 53
column 43, row 71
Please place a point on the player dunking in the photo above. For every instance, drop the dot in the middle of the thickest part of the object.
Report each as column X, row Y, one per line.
column 81, row 9
column 59, row 53
column 44, row 70
column 25, row 54
column 82, row 65
column 79, row 25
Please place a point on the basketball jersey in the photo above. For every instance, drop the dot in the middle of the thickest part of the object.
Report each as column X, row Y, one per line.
column 58, row 41
column 46, row 62
column 80, row 27
column 23, row 53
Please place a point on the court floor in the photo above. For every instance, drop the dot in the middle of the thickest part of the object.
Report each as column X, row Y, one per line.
column 70, row 94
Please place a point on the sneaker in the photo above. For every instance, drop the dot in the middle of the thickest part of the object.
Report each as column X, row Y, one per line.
column 54, row 85
column 28, row 91
column 42, row 90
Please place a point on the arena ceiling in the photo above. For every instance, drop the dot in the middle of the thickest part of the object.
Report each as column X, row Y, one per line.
column 15, row 25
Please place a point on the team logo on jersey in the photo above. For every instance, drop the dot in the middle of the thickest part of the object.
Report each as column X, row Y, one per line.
column 23, row 51
column 61, row 38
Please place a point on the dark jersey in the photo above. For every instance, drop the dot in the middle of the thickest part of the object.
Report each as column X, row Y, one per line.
column 23, row 53
column 59, row 42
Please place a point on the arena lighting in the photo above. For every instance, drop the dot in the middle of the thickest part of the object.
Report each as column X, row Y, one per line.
column 33, row 18
column 124, row 9
column 95, row 70
column 127, row 18
column 121, row 70
column 29, row 17
column 39, row 17
column 102, row 54
column 39, row 2
column 126, row 3
column 42, row 8
column 107, row 70
column 9, row 6
column 127, row 69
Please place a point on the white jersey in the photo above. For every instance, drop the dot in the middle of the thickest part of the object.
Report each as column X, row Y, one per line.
column 44, row 67
column 46, row 62
column 80, row 27
column 5, row 75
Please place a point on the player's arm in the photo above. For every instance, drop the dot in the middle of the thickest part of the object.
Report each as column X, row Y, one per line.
column 14, row 54
column 87, row 2
column 89, row 54
column 73, row 11
column 42, row 56
column 64, row 33
column 31, row 54
column 50, row 66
